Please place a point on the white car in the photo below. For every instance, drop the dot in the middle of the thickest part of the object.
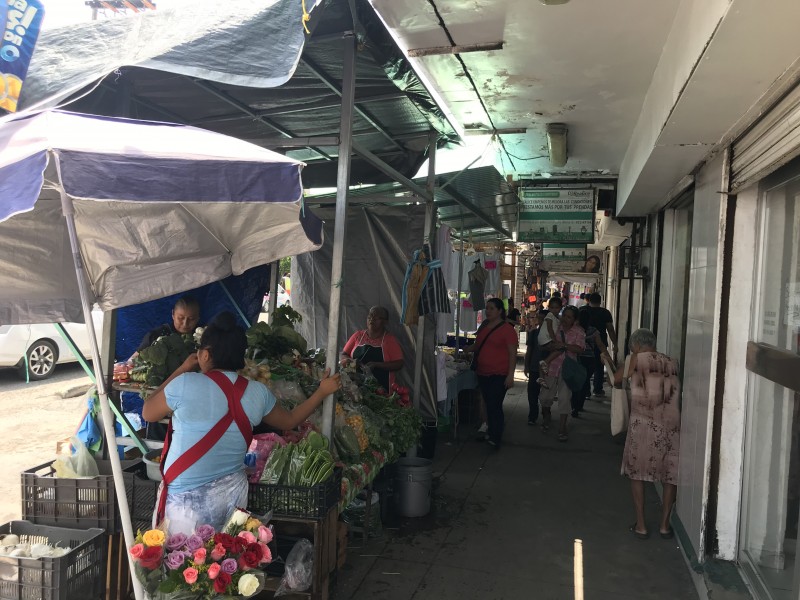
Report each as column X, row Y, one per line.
column 42, row 347
column 283, row 298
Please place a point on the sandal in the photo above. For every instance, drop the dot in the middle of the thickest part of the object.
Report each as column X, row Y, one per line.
column 668, row 534
column 638, row 534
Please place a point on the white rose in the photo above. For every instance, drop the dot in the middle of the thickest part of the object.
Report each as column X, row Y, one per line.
column 239, row 517
column 248, row 584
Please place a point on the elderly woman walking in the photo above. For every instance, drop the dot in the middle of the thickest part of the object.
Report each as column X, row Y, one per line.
column 653, row 442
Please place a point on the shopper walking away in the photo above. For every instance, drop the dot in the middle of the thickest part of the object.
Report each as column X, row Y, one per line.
column 532, row 357
column 571, row 340
column 587, row 359
column 653, row 443
column 600, row 318
column 494, row 360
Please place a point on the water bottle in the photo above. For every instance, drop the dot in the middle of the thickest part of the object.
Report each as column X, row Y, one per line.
column 250, row 463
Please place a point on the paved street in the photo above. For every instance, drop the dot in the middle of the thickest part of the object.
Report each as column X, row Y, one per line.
column 35, row 417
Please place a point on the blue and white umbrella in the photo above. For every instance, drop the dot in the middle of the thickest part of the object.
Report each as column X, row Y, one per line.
column 158, row 209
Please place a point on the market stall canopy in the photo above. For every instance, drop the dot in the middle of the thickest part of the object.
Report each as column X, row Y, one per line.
column 478, row 203
column 159, row 209
column 247, row 69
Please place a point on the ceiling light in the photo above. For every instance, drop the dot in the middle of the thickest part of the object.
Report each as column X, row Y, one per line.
column 553, row 2
column 557, row 144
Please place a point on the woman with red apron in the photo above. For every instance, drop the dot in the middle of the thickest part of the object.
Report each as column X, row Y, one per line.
column 375, row 348
column 212, row 417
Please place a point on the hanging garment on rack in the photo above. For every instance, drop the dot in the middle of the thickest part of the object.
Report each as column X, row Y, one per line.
column 444, row 251
column 433, row 298
column 492, row 262
column 477, row 286
column 416, row 276
column 468, row 319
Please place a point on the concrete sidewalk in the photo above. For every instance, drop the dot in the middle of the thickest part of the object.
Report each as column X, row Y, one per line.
column 506, row 524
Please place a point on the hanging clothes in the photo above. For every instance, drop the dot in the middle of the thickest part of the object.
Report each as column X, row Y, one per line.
column 477, row 286
column 492, row 262
column 433, row 298
column 416, row 275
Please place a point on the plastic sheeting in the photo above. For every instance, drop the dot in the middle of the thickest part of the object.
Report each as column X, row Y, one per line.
column 378, row 246
column 135, row 251
column 194, row 40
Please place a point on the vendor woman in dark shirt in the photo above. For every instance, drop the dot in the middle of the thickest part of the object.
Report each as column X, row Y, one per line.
column 375, row 347
column 185, row 317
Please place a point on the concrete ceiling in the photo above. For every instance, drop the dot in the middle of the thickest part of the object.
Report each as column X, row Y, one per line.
column 582, row 64
column 648, row 89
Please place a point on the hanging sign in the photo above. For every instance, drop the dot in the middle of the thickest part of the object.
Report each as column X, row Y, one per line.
column 22, row 21
column 563, row 257
column 556, row 215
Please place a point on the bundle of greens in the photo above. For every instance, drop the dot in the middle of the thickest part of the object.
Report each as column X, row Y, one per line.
column 306, row 463
column 402, row 425
column 274, row 341
column 157, row 362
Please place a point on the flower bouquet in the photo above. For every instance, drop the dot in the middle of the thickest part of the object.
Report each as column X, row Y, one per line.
column 207, row 564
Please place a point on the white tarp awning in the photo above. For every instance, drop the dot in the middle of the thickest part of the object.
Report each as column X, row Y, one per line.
column 159, row 209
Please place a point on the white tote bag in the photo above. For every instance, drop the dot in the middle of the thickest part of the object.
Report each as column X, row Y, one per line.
column 620, row 404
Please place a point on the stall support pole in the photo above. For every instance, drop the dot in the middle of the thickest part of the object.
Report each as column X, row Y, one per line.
column 340, row 222
column 419, row 343
column 108, row 421
column 274, row 278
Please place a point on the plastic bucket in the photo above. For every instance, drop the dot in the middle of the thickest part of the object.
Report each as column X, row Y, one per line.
column 412, row 487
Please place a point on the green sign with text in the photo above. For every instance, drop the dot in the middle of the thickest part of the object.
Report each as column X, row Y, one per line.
column 556, row 215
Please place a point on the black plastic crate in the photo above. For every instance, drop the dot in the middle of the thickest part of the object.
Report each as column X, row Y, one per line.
column 295, row 501
column 79, row 503
column 141, row 493
column 78, row 575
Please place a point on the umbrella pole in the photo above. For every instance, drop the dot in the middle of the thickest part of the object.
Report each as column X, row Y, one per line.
column 426, row 239
column 108, row 422
column 340, row 222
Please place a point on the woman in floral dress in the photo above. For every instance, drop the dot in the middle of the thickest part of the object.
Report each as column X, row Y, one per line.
column 653, row 443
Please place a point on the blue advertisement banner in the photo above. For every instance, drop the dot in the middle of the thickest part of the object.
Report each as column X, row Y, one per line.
column 23, row 20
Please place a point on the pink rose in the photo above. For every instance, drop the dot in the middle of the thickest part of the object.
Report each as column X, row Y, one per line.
column 136, row 550
column 213, row 570
column 266, row 554
column 190, row 575
column 200, row 556
column 264, row 534
column 247, row 536
column 218, row 552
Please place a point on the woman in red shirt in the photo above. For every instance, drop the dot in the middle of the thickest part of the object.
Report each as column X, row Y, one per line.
column 495, row 360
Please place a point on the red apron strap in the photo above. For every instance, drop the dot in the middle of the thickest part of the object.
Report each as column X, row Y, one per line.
column 233, row 394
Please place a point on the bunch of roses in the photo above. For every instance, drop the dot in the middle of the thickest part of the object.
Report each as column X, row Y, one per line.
column 206, row 562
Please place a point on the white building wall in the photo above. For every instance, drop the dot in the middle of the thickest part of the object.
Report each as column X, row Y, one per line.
column 701, row 345
column 740, row 314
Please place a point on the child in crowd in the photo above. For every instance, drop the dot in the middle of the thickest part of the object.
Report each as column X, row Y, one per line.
column 547, row 339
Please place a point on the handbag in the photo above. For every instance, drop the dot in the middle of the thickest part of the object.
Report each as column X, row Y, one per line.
column 620, row 405
column 572, row 372
column 474, row 364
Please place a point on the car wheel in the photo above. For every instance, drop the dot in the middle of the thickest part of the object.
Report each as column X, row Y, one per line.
column 41, row 358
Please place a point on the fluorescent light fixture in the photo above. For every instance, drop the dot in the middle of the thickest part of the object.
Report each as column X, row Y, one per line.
column 557, row 144
column 457, row 49
column 553, row 2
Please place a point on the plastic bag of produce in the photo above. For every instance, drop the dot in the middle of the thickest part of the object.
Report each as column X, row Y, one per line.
column 299, row 569
column 288, row 393
column 79, row 464
column 263, row 444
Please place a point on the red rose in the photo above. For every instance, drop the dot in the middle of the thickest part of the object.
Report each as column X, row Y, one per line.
column 225, row 540
column 151, row 557
column 237, row 545
column 222, row 582
column 251, row 557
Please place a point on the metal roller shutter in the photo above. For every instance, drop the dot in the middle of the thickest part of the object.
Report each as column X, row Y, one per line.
column 771, row 143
